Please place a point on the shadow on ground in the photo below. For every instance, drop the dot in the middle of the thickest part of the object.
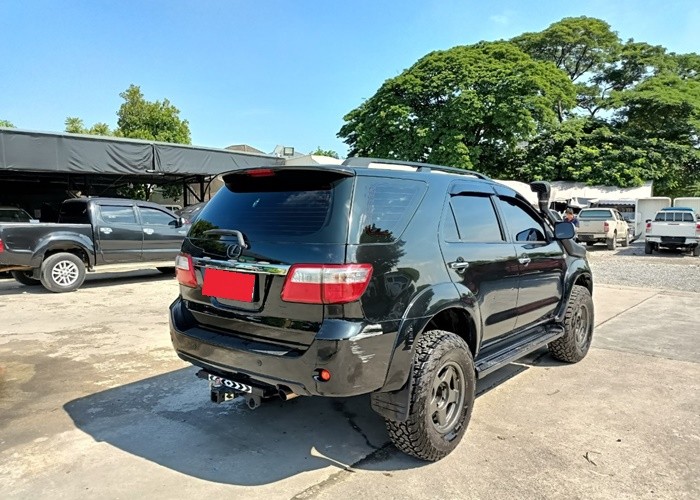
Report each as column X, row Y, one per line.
column 11, row 287
column 636, row 249
column 169, row 420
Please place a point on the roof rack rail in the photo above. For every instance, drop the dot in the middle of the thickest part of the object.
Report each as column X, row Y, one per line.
column 358, row 161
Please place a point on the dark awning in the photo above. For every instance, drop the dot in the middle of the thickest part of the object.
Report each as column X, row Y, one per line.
column 29, row 151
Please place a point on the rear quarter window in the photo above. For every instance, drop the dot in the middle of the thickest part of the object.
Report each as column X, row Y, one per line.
column 382, row 208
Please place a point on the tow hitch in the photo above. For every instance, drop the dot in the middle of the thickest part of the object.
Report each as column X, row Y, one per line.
column 223, row 389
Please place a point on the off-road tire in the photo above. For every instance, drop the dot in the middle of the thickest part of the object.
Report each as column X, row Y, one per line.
column 612, row 242
column 25, row 277
column 62, row 272
column 648, row 248
column 435, row 352
column 626, row 240
column 167, row 270
column 696, row 251
column 573, row 346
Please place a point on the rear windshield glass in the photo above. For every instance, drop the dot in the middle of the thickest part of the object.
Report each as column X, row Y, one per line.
column 595, row 214
column 674, row 217
column 74, row 212
column 289, row 206
column 13, row 215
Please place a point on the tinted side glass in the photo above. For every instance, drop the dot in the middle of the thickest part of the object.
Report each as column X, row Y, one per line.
column 476, row 219
column 155, row 217
column 660, row 217
column 117, row 215
column 13, row 215
column 74, row 212
column 688, row 218
column 289, row 206
column 383, row 208
column 522, row 224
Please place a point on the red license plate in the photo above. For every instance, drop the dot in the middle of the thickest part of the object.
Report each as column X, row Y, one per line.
column 229, row 285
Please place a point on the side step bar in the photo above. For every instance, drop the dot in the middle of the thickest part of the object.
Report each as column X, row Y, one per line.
column 539, row 338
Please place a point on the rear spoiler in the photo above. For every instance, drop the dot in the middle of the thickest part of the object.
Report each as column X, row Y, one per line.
column 270, row 171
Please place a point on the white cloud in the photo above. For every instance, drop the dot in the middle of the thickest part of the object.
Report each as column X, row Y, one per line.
column 503, row 18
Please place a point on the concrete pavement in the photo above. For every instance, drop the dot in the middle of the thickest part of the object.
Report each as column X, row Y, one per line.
column 94, row 403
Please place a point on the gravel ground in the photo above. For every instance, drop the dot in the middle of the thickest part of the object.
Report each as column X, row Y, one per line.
column 667, row 270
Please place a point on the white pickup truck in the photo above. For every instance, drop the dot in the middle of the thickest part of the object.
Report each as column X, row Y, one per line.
column 673, row 227
column 602, row 225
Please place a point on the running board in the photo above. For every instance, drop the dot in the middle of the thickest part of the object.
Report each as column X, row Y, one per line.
column 539, row 338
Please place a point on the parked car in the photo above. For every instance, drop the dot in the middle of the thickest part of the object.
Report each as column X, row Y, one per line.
column 14, row 214
column 673, row 227
column 379, row 277
column 191, row 212
column 603, row 225
column 90, row 232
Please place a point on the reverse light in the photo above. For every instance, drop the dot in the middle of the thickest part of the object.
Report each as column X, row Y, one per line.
column 326, row 283
column 184, row 270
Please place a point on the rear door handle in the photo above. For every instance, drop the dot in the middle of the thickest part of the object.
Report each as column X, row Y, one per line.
column 148, row 230
column 524, row 260
column 106, row 230
column 459, row 265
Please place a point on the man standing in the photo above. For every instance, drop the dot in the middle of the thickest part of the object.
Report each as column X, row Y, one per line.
column 570, row 217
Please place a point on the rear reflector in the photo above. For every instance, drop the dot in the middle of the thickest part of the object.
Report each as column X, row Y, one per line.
column 2, row 246
column 326, row 283
column 184, row 270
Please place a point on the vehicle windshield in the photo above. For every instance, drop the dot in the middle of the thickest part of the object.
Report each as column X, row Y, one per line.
column 14, row 215
column 595, row 214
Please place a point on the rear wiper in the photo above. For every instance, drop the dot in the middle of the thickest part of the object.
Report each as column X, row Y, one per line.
column 228, row 232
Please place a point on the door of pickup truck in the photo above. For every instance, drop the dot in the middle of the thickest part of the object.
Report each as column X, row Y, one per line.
column 162, row 236
column 118, row 233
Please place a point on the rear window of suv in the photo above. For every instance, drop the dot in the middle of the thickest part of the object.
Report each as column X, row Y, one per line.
column 288, row 206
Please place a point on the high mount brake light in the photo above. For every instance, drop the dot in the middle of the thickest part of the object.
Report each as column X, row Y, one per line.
column 260, row 172
column 326, row 283
column 184, row 270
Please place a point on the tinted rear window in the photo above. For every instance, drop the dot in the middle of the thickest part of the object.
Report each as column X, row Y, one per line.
column 75, row 212
column 290, row 206
column 13, row 215
column 595, row 214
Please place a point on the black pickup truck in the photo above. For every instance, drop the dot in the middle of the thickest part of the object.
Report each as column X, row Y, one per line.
column 90, row 232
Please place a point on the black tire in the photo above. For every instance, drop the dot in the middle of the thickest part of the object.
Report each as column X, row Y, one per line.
column 626, row 241
column 578, row 328
column 612, row 242
column 590, row 243
column 444, row 384
column 62, row 272
column 25, row 277
column 648, row 248
column 696, row 251
column 166, row 270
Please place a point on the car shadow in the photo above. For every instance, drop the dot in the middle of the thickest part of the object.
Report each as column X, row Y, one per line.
column 636, row 249
column 97, row 280
column 169, row 420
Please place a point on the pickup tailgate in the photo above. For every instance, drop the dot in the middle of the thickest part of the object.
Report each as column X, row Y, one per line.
column 673, row 229
column 591, row 227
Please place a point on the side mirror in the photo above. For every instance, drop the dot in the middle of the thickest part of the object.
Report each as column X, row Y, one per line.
column 564, row 230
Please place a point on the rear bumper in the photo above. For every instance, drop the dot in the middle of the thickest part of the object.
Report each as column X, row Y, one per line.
column 672, row 241
column 591, row 237
column 357, row 365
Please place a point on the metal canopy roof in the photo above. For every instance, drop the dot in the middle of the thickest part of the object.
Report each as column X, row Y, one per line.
column 30, row 151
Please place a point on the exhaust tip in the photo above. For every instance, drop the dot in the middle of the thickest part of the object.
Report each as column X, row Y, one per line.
column 286, row 394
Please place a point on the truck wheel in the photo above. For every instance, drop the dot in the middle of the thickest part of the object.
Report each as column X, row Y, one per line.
column 696, row 251
column 442, row 397
column 578, row 328
column 62, row 272
column 648, row 248
column 25, row 277
column 626, row 240
column 612, row 242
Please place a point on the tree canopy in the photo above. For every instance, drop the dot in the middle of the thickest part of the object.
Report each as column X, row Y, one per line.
column 572, row 102
column 324, row 152
column 7, row 124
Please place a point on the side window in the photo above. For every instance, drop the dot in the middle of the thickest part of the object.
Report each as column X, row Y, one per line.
column 688, row 218
column 476, row 219
column 522, row 223
column 154, row 217
column 112, row 214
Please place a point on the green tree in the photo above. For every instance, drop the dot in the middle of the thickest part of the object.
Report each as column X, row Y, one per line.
column 75, row 125
column 324, row 152
column 6, row 124
column 150, row 120
column 458, row 106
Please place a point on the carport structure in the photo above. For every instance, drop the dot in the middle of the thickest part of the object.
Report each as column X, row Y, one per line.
column 38, row 170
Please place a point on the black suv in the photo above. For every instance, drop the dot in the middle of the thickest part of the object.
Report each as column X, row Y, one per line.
column 405, row 281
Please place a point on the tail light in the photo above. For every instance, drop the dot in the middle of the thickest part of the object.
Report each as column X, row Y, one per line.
column 697, row 230
column 184, row 270
column 2, row 246
column 326, row 283
column 606, row 227
column 649, row 226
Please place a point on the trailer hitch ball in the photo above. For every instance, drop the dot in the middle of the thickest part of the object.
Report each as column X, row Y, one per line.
column 253, row 401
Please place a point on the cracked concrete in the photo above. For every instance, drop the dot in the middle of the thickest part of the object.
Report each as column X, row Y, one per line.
column 93, row 402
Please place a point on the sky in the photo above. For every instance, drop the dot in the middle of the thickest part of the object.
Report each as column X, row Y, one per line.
column 263, row 72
